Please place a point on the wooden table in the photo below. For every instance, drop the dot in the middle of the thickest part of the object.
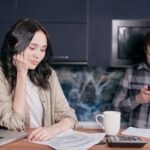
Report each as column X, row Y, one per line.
column 25, row 145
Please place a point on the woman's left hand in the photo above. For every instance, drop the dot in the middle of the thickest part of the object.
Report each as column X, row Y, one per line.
column 43, row 133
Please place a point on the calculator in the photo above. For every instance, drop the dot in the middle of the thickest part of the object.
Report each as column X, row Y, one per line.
column 124, row 141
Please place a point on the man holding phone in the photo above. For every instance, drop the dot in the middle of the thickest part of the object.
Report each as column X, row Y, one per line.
column 133, row 95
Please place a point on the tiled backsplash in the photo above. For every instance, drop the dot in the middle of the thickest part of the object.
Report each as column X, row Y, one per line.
column 89, row 90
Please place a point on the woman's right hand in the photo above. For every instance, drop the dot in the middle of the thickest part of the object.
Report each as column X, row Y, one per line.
column 43, row 133
column 20, row 63
column 19, row 98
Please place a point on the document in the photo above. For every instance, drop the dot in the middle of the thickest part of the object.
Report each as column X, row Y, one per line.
column 88, row 125
column 137, row 132
column 74, row 140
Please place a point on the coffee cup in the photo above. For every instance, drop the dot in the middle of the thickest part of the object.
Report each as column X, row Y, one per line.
column 109, row 121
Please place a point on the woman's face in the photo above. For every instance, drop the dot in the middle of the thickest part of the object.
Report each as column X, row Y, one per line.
column 35, row 51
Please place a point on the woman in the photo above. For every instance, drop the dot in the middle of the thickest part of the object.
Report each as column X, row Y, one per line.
column 30, row 94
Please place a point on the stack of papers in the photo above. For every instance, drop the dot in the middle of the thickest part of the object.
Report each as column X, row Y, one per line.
column 74, row 140
column 137, row 132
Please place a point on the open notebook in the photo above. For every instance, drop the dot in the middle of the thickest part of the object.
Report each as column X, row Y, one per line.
column 7, row 136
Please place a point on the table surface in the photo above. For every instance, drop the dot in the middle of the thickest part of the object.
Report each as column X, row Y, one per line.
column 25, row 145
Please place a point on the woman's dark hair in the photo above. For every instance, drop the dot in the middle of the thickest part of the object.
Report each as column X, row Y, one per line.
column 17, row 39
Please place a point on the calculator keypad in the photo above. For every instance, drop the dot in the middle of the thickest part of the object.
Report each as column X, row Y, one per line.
column 125, row 141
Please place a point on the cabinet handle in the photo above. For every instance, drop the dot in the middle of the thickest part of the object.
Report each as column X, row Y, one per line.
column 61, row 57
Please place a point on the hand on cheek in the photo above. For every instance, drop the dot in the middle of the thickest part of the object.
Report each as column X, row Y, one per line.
column 20, row 62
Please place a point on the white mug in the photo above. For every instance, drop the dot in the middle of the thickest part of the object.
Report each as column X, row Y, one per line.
column 109, row 121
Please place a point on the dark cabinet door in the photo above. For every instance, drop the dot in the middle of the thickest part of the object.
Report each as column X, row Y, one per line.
column 7, row 10
column 66, row 21
column 7, row 16
column 54, row 10
column 69, row 43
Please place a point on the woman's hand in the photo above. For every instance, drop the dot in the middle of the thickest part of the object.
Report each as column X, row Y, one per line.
column 20, row 63
column 43, row 133
column 19, row 97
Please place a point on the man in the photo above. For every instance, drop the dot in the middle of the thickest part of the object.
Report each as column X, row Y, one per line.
column 133, row 96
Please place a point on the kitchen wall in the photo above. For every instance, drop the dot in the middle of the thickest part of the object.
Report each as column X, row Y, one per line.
column 89, row 90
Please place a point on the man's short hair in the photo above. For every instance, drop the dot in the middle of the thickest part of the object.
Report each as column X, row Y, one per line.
column 147, row 39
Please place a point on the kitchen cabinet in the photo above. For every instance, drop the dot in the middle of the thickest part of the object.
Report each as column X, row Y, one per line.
column 65, row 20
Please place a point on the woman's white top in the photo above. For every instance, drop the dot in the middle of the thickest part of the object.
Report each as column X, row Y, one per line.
column 34, row 106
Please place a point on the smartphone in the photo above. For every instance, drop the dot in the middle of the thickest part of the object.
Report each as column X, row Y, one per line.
column 148, row 87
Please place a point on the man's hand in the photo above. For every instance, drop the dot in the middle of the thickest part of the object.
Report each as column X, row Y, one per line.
column 144, row 95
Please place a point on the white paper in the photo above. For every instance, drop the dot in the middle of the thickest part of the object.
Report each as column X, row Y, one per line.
column 137, row 132
column 88, row 125
column 74, row 140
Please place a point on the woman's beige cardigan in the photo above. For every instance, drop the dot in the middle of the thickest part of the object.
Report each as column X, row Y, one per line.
column 54, row 103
